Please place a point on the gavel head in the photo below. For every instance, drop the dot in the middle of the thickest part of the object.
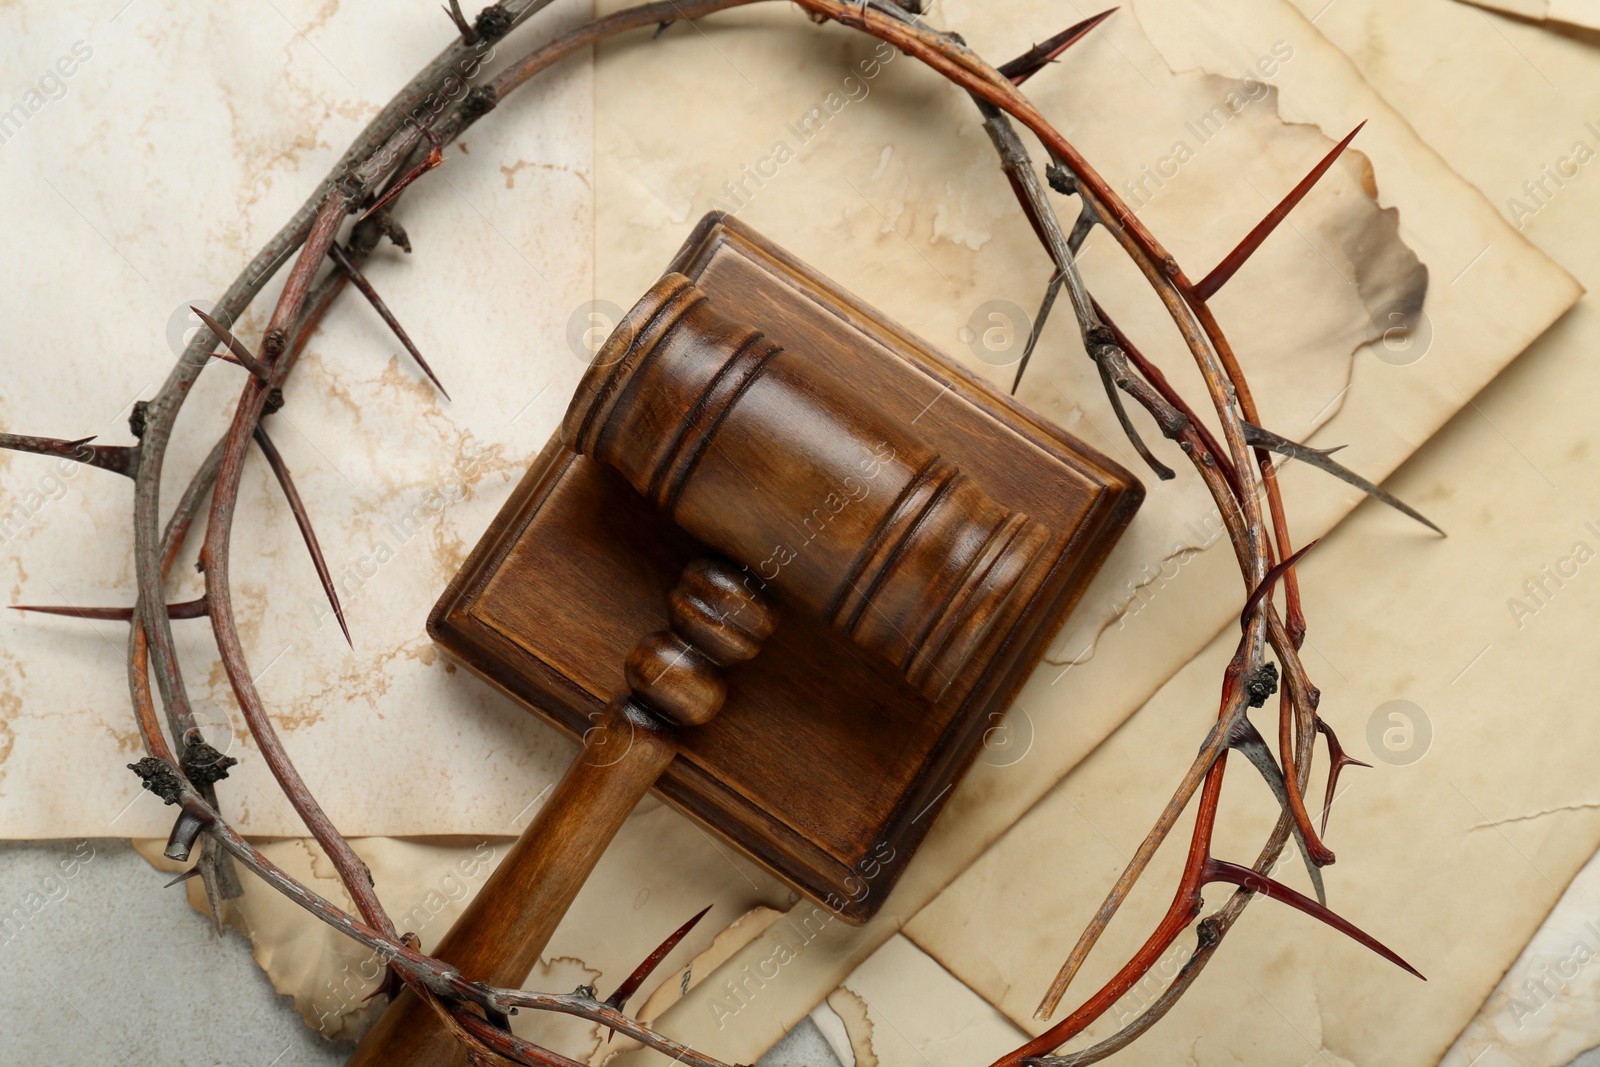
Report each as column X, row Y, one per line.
column 761, row 454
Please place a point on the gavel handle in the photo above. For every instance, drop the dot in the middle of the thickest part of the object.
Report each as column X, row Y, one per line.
column 717, row 620
column 500, row 936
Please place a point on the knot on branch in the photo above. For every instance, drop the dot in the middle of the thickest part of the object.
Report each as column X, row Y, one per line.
column 350, row 186
column 274, row 402
column 1209, row 932
column 160, row 778
column 136, row 417
column 493, row 22
column 1172, row 422
column 1262, row 684
column 1100, row 337
column 1060, row 179
column 204, row 765
column 479, row 101
column 395, row 232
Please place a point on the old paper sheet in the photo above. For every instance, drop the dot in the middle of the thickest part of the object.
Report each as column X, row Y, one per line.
column 901, row 1009
column 1450, row 665
column 815, row 952
column 633, row 894
column 177, row 146
column 1584, row 13
column 1528, row 146
column 921, row 206
column 833, row 225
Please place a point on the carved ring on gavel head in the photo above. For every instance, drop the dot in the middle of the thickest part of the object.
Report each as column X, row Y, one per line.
column 778, row 467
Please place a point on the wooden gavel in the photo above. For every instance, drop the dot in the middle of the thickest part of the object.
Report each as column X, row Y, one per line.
column 813, row 502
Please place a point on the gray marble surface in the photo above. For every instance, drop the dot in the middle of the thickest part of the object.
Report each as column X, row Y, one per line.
column 99, row 965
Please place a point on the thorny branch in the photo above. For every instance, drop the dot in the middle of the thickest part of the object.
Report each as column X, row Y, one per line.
column 400, row 146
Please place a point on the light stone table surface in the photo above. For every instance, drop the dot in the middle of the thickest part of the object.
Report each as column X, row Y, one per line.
column 84, row 930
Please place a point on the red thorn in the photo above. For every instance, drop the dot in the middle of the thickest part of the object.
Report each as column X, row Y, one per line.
column 435, row 157
column 281, row 470
column 342, row 260
column 241, row 354
column 1036, row 58
column 1217, row 870
column 1338, row 761
column 188, row 609
column 632, row 983
column 1207, row 287
column 1265, row 588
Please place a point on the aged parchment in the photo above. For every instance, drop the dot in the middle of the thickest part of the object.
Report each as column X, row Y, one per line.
column 931, row 211
column 176, row 148
column 1014, row 768
column 1456, row 667
column 1391, row 396
column 1579, row 13
column 1529, row 145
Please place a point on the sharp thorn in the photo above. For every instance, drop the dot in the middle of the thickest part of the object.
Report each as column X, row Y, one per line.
column 342, row 260
column 435, row 157
column 1050, row 292
column 1153, row 375
column 216, row 877
column 241, row 355
column 631, row 984
column 281, row 471
column 1256, row 437
column 1247, row 740
column 1162, row 471
column 188, row 609
column 118, row 459
column 1207, row 287
column 469, row 35
column 1265, row 588
column 192, row 872
column 1337, row 762
column 1219, row 871
column 1042, row 54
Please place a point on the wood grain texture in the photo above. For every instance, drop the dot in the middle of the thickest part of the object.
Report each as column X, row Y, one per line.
column 674, row 682
column 825, row 763
column 500, row 935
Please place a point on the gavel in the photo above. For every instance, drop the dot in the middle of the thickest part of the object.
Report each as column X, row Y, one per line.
column 808, row 501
